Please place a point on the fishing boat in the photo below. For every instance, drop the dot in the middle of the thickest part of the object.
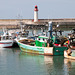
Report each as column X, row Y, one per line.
column 71, row 38
column 6, row 40
column 69, row 54
column 42, row 45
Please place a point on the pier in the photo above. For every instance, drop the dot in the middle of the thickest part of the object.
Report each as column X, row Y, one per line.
column 42, row 23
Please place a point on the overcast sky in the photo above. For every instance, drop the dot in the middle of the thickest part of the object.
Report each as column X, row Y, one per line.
column 48, row 9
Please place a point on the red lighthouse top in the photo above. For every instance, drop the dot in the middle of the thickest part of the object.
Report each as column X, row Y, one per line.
column 36, row 8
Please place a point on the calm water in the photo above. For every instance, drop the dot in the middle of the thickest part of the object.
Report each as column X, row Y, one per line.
column 15, row 62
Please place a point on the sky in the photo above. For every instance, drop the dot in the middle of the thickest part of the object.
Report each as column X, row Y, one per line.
column 48, row 9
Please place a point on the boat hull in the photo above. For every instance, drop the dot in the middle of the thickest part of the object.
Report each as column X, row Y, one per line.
column 42, row 50
column 69, row 57
column 6, row 43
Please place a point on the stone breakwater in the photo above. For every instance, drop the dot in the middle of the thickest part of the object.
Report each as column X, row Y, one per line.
column 30, row 24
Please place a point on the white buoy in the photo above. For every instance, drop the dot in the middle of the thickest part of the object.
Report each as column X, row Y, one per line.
column 36, row 14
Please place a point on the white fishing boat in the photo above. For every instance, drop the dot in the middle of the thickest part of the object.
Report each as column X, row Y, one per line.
column 6, row 40
column 69, row 54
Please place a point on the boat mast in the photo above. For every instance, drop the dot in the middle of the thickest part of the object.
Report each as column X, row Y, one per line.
column 50, row 30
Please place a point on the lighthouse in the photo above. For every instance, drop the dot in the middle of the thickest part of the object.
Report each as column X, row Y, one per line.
column 36, row 14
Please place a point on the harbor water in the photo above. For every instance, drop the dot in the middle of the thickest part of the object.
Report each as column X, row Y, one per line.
column 15, row 62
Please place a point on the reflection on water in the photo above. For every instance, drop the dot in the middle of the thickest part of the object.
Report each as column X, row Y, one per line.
column 53, row 65
column 70, row 66
column 15, row 62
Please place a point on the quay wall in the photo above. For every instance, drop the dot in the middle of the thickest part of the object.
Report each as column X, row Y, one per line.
column 15, row 23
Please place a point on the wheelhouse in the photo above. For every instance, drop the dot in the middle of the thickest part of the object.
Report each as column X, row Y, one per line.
column 41, row 41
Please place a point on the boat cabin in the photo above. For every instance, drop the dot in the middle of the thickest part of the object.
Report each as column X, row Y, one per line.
column 41, row 41
column 6, row 36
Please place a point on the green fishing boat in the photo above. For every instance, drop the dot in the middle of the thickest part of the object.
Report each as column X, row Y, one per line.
column 42, row 45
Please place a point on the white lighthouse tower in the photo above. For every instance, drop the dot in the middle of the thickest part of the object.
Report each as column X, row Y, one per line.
column 36, row 14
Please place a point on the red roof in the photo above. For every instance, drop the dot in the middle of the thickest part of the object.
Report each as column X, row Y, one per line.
column 36, row 8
